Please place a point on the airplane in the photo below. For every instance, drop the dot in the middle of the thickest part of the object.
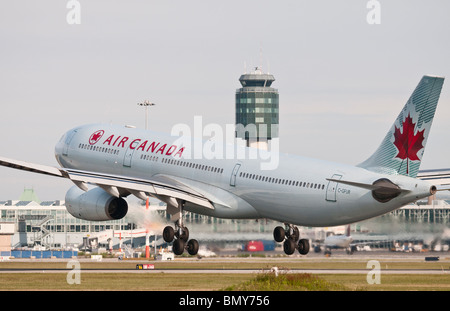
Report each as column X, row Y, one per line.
column 340, row 241
column 110, row 162
column 336, row 242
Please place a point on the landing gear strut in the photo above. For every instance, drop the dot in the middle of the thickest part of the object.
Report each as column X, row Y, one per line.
column 181, row 235
column 291, row 238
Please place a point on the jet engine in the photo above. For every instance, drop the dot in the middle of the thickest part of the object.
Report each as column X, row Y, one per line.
column 95, row 204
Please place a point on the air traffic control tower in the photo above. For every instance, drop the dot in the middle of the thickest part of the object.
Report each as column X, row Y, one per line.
column 257, row 109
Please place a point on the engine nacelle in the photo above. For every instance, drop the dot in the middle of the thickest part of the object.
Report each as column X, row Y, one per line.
column 95, row 204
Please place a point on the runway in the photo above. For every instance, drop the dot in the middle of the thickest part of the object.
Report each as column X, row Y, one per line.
column 232, row 271
column 396, row 271
column 339, row 263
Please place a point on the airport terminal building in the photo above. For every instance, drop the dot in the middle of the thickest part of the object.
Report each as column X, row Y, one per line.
column 49, row 225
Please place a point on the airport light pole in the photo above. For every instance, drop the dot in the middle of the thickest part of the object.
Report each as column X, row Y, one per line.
column 146, row 103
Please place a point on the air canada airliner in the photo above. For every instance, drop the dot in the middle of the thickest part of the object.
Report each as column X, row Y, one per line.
column 107, row 163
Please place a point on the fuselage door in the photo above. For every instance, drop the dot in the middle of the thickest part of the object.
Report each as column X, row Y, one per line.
column 233, row 174
column 127, row 157
column 332, row 188
column 129, row 154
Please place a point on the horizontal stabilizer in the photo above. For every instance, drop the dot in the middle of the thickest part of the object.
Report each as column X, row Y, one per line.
column 443, row 188
column 438, row 176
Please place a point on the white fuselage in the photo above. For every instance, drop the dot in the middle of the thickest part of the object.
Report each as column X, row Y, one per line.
column 296, row 191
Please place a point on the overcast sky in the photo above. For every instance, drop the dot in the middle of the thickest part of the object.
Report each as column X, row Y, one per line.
column 342, row 81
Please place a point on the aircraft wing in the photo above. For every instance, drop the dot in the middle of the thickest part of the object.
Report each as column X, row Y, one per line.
column 440, row 177
column 31, row 167
column 119, row 185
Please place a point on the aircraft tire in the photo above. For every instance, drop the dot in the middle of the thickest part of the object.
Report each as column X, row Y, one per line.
column 192, row 247
column 303, row 246
column 279, row 234
column 289, row 246
column 168, row 234
column 178, row 246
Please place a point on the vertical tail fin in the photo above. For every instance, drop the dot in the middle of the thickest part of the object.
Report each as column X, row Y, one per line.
column 402, row 149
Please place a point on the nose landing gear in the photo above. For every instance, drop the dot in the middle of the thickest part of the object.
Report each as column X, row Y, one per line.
column 291, row 238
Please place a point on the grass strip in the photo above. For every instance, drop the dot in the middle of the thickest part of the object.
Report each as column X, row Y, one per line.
column 287, row 282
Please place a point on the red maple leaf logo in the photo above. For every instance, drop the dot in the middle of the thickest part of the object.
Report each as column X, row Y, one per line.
column 96, row 137
column 408, row 143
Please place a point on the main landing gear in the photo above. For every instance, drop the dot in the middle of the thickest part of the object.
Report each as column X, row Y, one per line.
column 181, row 236
column 181, row 242
column 291, row 238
